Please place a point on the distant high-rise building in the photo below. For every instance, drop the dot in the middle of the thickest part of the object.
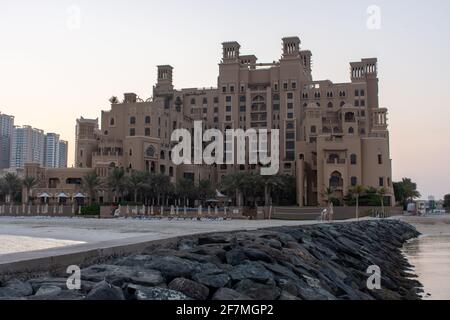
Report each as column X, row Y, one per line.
column 6, row 132
column 51, row 150
column 63, row 151
column 27, row 146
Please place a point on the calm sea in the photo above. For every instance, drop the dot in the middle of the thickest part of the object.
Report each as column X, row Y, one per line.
column 430, row 256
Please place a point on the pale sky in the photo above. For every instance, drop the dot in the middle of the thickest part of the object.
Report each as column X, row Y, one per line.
column 54, row 70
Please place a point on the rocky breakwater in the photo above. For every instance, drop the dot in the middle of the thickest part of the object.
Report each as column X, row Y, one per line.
column 318, row 262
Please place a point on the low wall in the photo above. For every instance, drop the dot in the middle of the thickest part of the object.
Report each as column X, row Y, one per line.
column 340, row 213
column 37, row 210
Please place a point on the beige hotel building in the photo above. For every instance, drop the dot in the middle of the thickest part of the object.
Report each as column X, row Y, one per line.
column 331, row 134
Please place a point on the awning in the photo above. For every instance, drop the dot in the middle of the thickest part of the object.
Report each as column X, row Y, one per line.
column 44, row 195
column 79, row 196
column 62, row 195
column 220, row 195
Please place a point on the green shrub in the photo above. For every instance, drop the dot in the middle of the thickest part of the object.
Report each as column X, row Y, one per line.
column 92, row 210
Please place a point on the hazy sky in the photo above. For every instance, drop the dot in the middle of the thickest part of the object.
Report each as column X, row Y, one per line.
column 54, row 69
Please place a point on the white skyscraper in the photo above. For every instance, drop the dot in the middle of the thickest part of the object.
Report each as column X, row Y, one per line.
column 63, row 151
column 27, row 146
column 51, row 153
column 6, row 132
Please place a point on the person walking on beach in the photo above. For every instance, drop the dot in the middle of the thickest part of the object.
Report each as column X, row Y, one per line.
column 330, row 212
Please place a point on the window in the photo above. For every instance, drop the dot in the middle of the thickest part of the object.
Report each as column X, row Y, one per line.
column 290, row 116
column 228, row 118
column 205, row 110
column 132, row 120
column 290, row 136
column 363, row 103
column 381, row 182
column 380, row 159
column 228, row 99
column 330, row 104
column 275, row 87
column 294, row 85
column 216, row 99
column 112, row 122
column 228, row 108
column 242, row 99
column 362, row 93
column 216, row 110
column 285, row 86
column 150, row 152
column 290, row 95
column 216, row 119
column 147, row 132
column 342, row 103
column 224, row 89
column 313, row 129
column 356, row 103
column 351, row 130
column 353, row 159
column 354, row 181
column 193, row 101
column 290, row 105
column 132, row 132
column 231, row 88
column 276, row 107
column 106, row 132
column 131, row 152
column 356, row 93
column 162, row 155
column 205, row 100
column 242, row 109
column 147, row 120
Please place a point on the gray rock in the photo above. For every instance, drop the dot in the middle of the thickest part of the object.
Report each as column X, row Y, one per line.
column 257, row 291
column 236, row 257
column 288, row 296
column 16, row 288
column 258, row 255
column 227, row 294
column 251, row 270
column 190, row 288
column 155, row 293
column 64, row 295
column 173, row 267
column 105, row 291
column 48, row 290
column 212, row 280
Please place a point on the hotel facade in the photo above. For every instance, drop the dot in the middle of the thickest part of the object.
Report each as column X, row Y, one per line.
column 331, row 134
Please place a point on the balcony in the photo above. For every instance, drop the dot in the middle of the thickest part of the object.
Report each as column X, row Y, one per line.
column 336, row 161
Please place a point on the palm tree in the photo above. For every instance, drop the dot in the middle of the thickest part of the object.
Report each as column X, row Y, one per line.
column 357, row 191
column 12, row 184
column 381, row 193
column 271, row 182
column 29, row 183
column 327, row 194
column 234, row 183
column 163, row 186
column 185, row 189
column 116, row 182
column 205, row 190
column 114, row 100
column 136, row 182
column 91, row 184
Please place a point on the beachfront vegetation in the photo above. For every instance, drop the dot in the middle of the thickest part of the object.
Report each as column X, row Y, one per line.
column 406, row 191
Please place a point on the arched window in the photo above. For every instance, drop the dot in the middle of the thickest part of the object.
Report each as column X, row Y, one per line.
column 351, row 130
column 353, row 159
column 162, row 155
column 150, row 152
column 131, row 152
column 112, row 121
column 336, row 180
column 330, row 104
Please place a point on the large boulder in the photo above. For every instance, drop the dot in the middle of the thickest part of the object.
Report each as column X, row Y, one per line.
column 15, row 289
column 212, row 280
column 105, row 291
column 257, row 291
column 190, row 288
column 251, row 270
column 235, row 256
column 154, row 293
column 173, row 267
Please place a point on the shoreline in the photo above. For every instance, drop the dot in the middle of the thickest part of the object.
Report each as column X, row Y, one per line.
column 309, row 262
